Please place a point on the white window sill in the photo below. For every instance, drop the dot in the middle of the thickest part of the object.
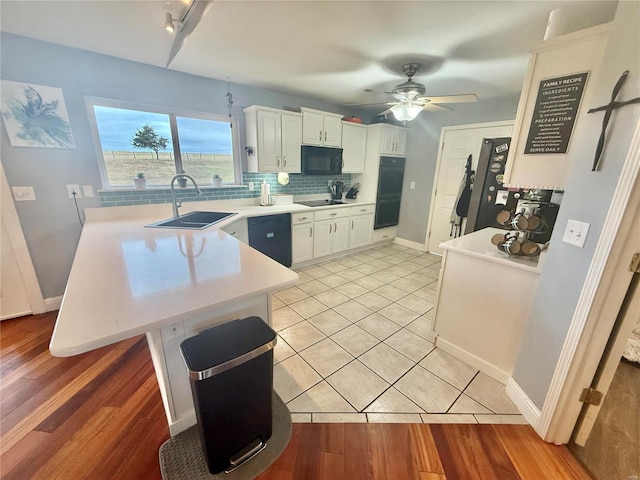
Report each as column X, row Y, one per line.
column 161, row 188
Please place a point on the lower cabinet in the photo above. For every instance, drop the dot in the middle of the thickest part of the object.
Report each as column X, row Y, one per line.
column 361, row 226
column 301, row 237
column 238, row 229
column 331, row 232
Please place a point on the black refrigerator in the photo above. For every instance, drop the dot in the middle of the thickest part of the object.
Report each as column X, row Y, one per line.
column 390, row 178
column 489, row 195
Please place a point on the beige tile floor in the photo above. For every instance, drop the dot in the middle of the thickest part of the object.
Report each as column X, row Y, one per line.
column 354, row 346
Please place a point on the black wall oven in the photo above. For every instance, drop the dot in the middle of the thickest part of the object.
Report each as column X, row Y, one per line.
column 390, row 178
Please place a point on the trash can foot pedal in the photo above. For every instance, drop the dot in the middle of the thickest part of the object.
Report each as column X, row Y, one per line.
column 246, row 454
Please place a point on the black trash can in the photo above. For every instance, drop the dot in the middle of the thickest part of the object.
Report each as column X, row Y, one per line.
column 231, row 373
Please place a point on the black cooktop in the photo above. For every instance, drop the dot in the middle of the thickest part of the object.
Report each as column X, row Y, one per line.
column 321, row 203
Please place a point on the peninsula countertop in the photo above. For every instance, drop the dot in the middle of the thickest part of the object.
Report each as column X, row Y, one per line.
column 127, row 279
column 478, row 244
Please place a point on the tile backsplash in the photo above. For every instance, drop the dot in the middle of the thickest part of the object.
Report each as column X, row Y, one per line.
column 298, row 185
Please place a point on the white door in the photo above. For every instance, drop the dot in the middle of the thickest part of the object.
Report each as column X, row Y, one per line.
column 19, row 289
column 456, row 143
column 322, row 236
column 302, row 242
column 14, row 301
column 332, row 131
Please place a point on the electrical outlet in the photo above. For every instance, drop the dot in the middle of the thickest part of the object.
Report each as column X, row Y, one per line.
column 250, row 185
column 412, row 185
column 74, row 188
column 87, row 191
column 21, row 194
column 576, row 233
column 173, row 331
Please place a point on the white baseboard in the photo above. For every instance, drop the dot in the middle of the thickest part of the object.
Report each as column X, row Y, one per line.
column 52, row 303
column 528, row 409
column 410, row 244
column 482, row 365
column 181, row 425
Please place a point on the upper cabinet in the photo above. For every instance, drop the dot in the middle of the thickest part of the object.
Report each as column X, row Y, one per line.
column 393, row 140
column 321, row 128
column 354, row 145
column 274, row 137
column 555, row 95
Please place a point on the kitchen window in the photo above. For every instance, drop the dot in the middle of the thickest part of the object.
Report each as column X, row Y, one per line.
column 161, row 142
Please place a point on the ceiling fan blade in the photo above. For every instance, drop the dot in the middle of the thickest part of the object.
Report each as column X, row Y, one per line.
column 432, row 107
column 464, row 98
column 388, row 110
column 398, row 96
column 188, row 24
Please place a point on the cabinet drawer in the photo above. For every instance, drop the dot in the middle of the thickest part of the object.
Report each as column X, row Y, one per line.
column 362, row 209
column 302, row 217
column 331, row 214
column 383, row 234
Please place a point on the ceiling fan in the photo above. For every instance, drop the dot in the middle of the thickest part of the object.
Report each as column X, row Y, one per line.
column 410, row 98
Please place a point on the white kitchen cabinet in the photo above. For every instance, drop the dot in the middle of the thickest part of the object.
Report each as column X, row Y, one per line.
column 393, row 141
column 377, row 134
column 238, row 229
column 274, row 137
column 354, row 146
column 361, row 226
column 321, row 128
column 330, row 232
column 301, row 237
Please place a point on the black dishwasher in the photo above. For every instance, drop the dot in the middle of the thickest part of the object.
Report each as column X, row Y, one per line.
column 271, row 235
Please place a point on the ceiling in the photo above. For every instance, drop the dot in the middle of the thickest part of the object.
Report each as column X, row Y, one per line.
column 341, row 52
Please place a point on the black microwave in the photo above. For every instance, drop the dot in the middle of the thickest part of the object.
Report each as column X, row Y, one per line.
column 321, row 160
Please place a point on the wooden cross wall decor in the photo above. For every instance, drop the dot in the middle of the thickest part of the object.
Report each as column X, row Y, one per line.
column 608, row 109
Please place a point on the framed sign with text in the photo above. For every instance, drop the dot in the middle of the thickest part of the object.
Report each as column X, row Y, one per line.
column 554, row 114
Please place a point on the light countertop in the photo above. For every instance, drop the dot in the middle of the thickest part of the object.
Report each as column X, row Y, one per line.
column 127, row 279
column 478, row 244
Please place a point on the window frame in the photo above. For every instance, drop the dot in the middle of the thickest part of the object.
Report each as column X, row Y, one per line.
column 172, row 113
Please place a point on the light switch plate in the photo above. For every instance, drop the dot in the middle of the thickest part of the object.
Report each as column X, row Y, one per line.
column 412, row 185
column 22, row 194
column 576, row 233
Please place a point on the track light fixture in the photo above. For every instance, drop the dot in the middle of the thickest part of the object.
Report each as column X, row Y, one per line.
column 168, row 22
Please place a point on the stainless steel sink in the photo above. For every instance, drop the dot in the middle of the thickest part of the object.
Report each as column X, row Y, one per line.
column 193, row 220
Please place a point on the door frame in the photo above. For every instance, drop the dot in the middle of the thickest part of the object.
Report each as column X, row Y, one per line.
column 595, row 313
column 19, row 245
column 436, row 174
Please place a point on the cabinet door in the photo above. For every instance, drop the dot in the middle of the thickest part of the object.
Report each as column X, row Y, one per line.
column 401, row 142
column 361, row 230
column 322, row 232
column 354, row 142
column 291, row 140
column 268, row 141
column 312, row 129
column 332, row 136
column 340, row 240
column 302, row 242
column 388, row 142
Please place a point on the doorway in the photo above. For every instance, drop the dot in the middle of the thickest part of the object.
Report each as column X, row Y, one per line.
column 607, row 437
column 456, row 144
column 19, row 290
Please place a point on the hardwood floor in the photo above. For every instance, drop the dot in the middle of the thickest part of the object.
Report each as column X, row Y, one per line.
column 99, row 416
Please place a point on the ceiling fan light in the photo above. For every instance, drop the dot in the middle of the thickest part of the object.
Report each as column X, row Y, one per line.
column 168, row 22
column 406, row 113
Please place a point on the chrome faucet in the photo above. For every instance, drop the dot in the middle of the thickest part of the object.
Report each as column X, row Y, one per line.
column 178, row 203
